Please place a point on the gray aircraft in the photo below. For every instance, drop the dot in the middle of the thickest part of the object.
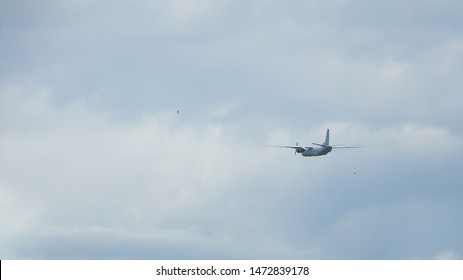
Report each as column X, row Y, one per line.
column 320, row 150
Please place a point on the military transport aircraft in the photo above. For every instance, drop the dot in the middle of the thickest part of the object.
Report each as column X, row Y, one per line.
column 321, row 150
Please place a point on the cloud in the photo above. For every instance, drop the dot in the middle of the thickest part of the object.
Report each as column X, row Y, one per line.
column 96, row 163
column 165, row 181
column 183, row 16
column 447, row 255
column 314, row 62
column 157, row 175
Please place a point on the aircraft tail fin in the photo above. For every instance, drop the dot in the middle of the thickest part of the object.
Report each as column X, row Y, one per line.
column 327, row 138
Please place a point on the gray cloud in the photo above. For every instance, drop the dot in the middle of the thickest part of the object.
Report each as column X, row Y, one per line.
column 96, row 163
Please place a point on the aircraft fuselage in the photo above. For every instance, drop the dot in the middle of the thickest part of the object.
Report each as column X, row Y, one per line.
column 316, row 151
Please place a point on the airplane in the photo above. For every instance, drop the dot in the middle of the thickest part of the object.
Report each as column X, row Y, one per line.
column 321, row 150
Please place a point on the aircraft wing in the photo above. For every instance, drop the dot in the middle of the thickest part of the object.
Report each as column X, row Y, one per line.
column 291, row 147
column 297, row 149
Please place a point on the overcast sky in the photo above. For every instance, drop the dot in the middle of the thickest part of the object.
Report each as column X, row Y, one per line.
column 95, row 162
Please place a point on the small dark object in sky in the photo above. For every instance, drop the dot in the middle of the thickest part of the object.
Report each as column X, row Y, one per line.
column 178, row 112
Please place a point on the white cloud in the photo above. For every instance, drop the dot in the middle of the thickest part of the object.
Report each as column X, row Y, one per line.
column 81, row 171
column 447, row 255
column 162, row 178
column 183, row 15
column 91, row 147
column 450, row 56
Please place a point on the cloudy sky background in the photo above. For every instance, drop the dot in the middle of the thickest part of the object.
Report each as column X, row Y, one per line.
column 95, row 163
